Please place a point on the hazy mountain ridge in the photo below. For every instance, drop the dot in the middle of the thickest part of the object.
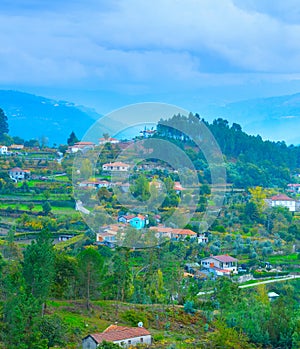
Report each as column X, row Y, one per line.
column 275, row 118
column 30, row 116
column 33, row 117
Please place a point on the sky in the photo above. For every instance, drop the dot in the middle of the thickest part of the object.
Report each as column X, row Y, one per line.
column 106, row 54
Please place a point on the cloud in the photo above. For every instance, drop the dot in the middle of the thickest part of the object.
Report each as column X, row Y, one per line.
column 162, row 44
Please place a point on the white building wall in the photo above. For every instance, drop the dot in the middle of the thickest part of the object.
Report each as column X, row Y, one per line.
column 134, row 341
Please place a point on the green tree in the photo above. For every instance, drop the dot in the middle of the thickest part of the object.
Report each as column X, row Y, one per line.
column 86, row 169
column 3, row 124
column 65, row 276
column 72, row 139
column 38, row 268
column 53, row 330
column 46, row 208
column 141, row 188
column 91, row 273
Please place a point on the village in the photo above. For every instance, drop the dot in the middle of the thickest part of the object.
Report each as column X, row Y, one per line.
column 41, row 188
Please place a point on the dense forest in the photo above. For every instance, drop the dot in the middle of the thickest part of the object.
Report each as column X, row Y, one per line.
column 250, row 160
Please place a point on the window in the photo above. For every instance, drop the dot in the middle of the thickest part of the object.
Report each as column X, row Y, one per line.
column 142, row 340
column 129, row 342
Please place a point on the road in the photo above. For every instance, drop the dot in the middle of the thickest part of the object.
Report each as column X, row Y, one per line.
column 286, row 278
column 290, row 277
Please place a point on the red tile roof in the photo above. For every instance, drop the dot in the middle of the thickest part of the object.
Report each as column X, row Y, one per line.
column 117, row 333
column 281, row 197
column 117, row 164
column 16, row 169
column 225, row 258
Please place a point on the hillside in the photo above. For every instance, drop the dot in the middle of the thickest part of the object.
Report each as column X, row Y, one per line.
column 33, row 117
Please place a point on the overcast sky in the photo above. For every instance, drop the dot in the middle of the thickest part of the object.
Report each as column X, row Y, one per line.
column 107, row 53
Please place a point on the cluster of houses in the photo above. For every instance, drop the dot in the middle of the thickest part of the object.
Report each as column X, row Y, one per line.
column 108, row 235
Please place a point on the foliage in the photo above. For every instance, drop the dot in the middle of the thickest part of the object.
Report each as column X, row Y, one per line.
column 3, row 124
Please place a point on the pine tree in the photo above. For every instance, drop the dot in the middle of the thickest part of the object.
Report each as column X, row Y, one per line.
column 3, row 124
column 72, row 139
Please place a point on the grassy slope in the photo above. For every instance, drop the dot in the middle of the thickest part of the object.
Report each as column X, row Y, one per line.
column 167, row 324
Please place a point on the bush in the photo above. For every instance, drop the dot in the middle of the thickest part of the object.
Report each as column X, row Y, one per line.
column 134, row 317
column 189, row 307
column 263, row 274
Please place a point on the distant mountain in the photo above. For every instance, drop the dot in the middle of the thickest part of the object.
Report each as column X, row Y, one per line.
column 33, row 117
column 274, row 118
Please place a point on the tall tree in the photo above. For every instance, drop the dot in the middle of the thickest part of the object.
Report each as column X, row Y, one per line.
column 38, row 269
column 91, row 270
column 3, row 124
column 72, row 139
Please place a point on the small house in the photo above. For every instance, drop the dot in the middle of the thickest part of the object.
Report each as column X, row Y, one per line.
column 81, row 146
column 3, row 150
column 106, row 238
column 116, row 167
column 283, row 201
column 95, row 183
column 136, row 221
column 17, row 174
column 123, row 336
column 110, row 140
column 224, row 264
column 294, row 187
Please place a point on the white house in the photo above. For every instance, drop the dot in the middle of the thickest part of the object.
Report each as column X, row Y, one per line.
column 116, row 166
column 95, row 183
column 202, row 238
column 81, row 146
column 294, row 187
column 123, row 336
column 106, row 238
column 173, row 233
column 108, row 140
column 17, row 174
column 223, row 263
column 3, row 149
column 284, row 201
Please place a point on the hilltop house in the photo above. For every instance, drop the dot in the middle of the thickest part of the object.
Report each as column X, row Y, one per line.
column 221, row 265
column 116, row 167
column 108, row 140
column 284, row 201
column 81, row 146
column 123, row 336
column 17, row 174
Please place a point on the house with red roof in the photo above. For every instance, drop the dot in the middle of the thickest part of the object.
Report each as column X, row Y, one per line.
column 221, row 265
column 17, row 174
column 294, row 187
column 110, row 140
column 95, row 183
column 173, row 233
column 283, row 201
column 121, row 335
column 81, row 146
column 116, row 167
